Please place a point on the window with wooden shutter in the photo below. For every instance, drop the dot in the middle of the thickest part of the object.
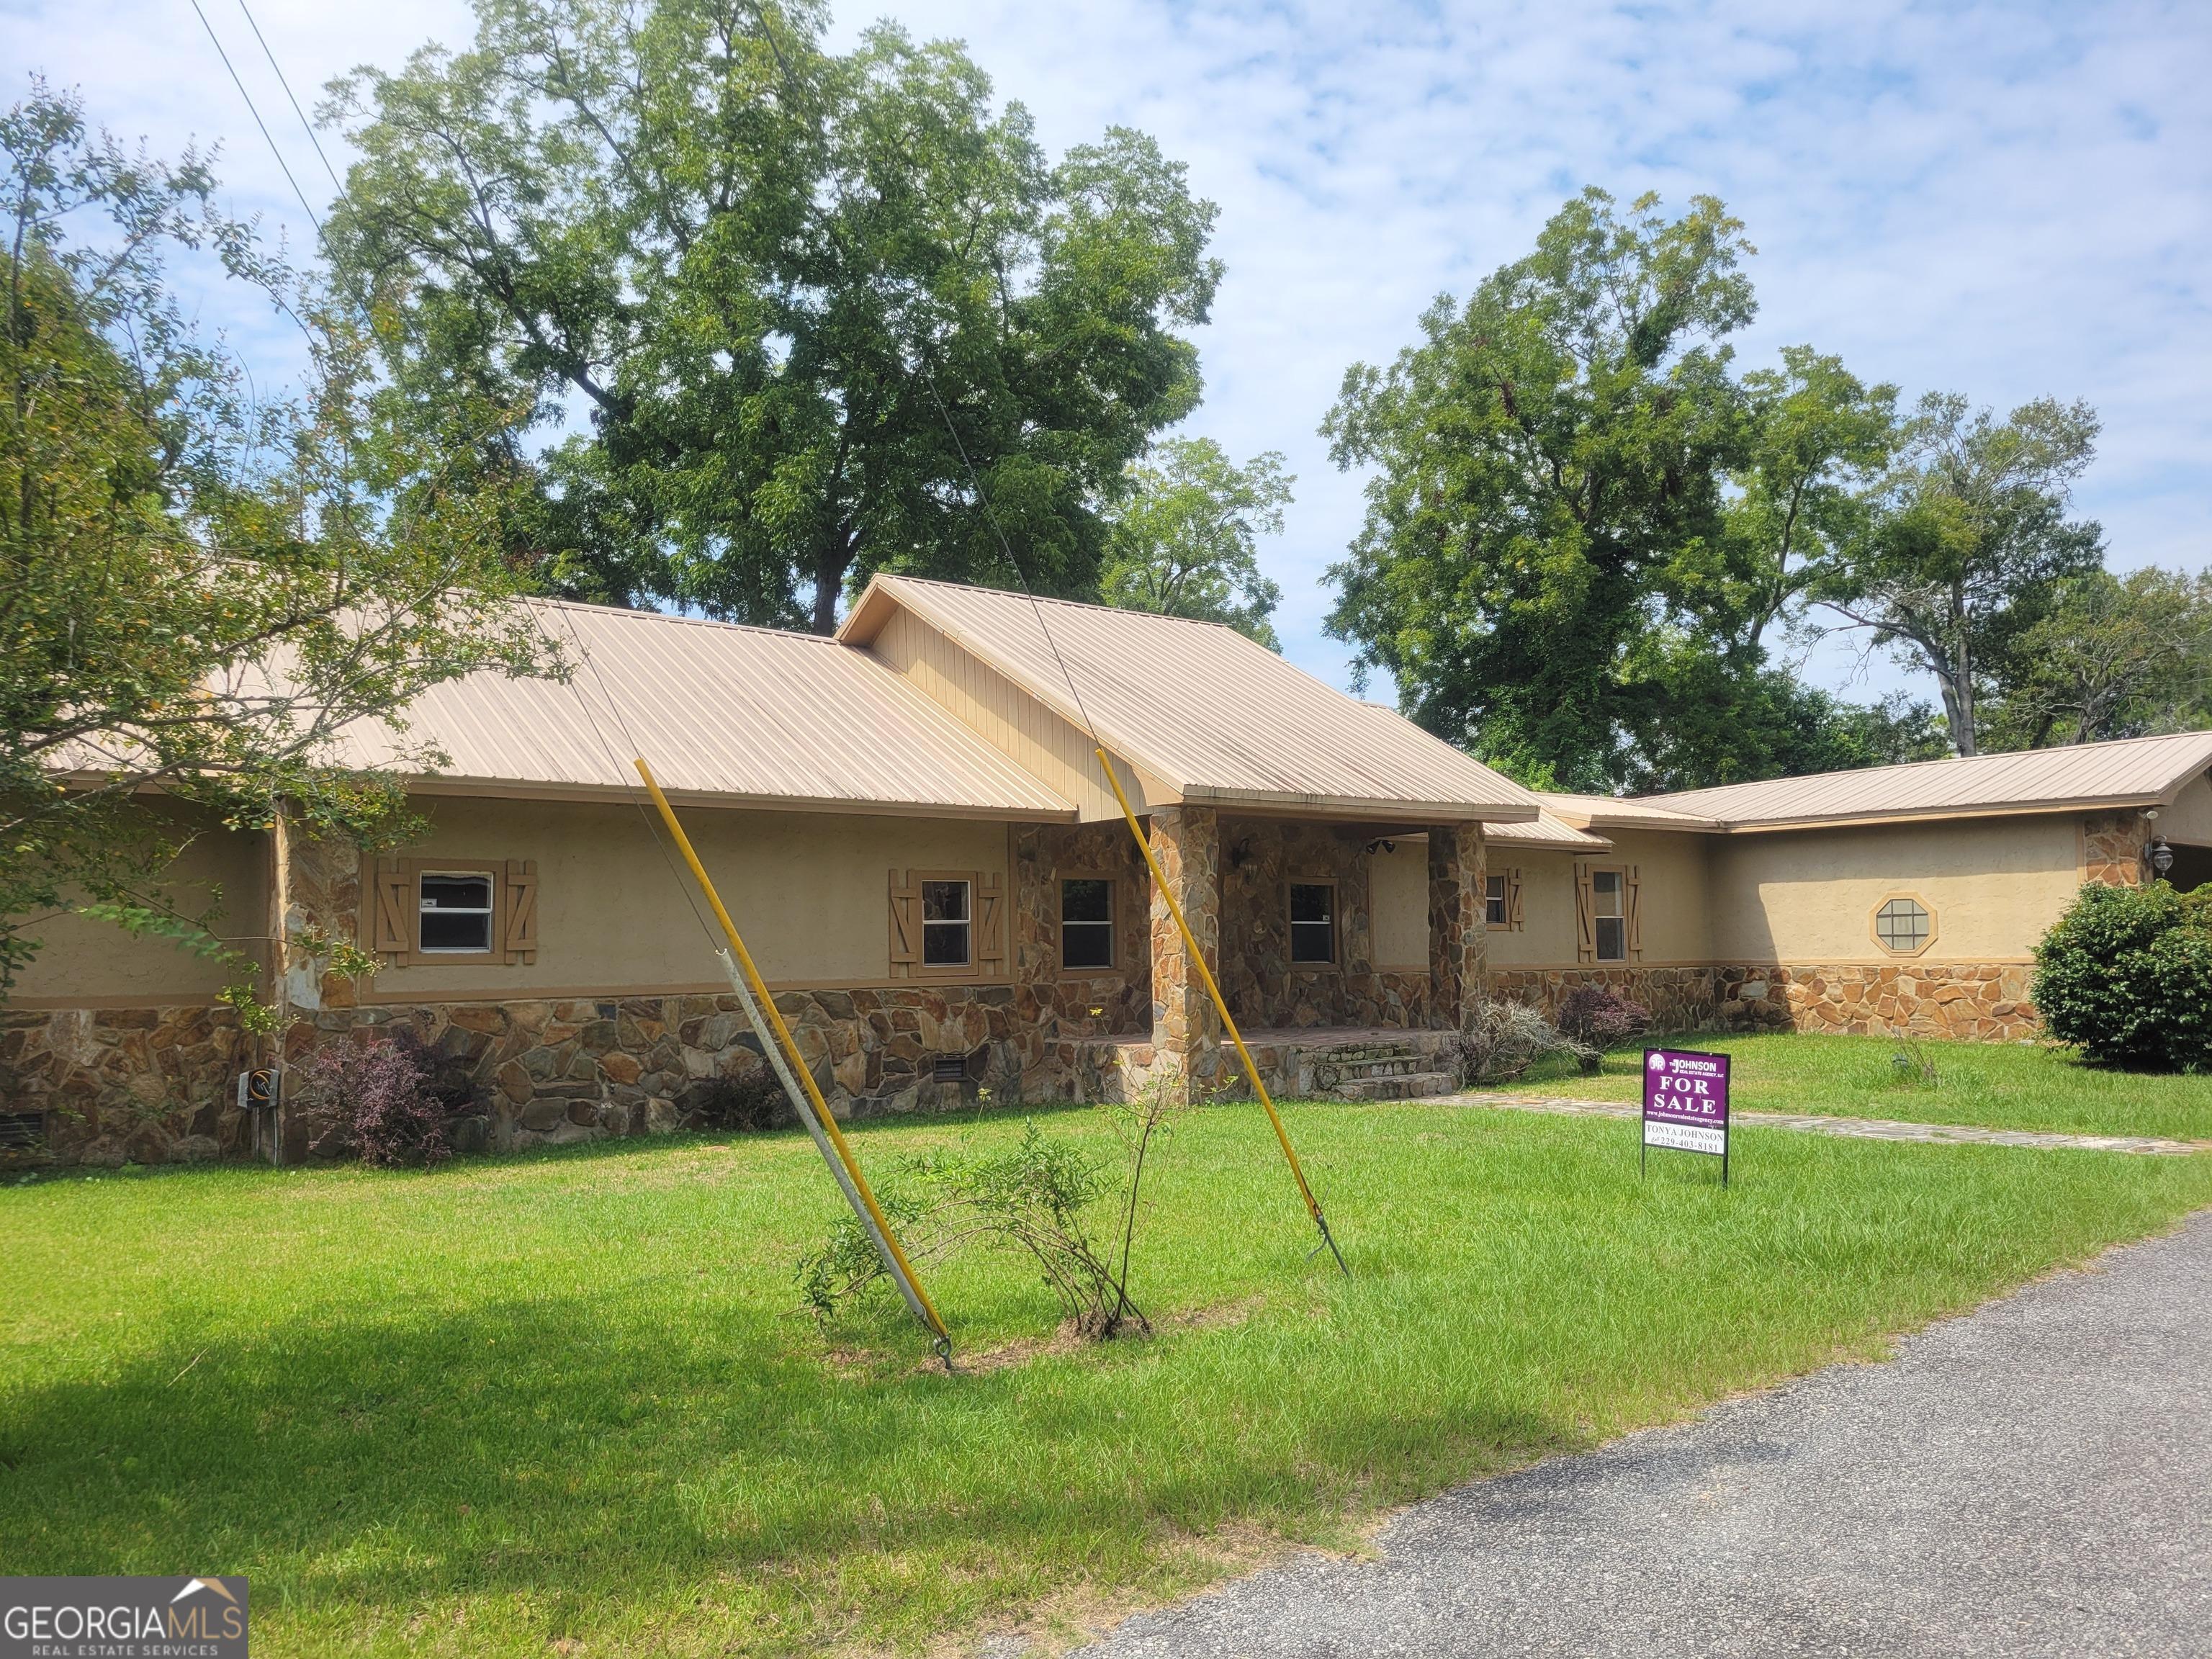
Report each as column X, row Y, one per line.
column 1585, row 916
column 1513, row 900
column 1635, row 913
column 450, row 912
column 521, row 907
column 948, row 924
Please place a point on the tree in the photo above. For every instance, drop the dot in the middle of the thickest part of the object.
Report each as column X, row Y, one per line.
column 1547, row 483
column 805, row 301
column 1966, row 540
column 2113, row 657
column 199, row 592
column 1185, row 540
column 1818, row 437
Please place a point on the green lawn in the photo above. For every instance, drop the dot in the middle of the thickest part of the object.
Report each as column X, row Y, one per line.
column 563, row 1398
column 2000, row 1086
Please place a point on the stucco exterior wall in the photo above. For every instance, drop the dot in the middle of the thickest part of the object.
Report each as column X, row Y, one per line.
column 810, row 891
column 1674, row 891
column 96, row 965
column 1398, row 890
column 1992, row 885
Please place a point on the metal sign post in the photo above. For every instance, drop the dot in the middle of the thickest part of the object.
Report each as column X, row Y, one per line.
column 1686, row 1105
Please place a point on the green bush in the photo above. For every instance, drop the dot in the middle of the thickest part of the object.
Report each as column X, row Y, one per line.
column 2125, row 976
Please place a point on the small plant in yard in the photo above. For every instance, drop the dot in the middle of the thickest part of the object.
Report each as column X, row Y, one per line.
column 1913, row 1065
column 1037, row 1196
column 376, row 1098
column 1602, row 1017
column 1504, row 1039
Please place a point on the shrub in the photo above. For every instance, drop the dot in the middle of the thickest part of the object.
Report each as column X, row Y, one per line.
column 1602, row 1017
column 2125, row 976
column 1504, row 1039
column 376, row 1098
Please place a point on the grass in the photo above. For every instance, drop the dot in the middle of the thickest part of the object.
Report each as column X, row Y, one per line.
column 1997, row 1085
column 562, row 1400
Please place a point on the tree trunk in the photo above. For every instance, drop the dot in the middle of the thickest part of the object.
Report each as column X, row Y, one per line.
column 829, row 568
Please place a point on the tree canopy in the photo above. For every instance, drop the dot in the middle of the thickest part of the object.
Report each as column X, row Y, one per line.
column 803, row 303
column 1185, row 540
column 199, row 587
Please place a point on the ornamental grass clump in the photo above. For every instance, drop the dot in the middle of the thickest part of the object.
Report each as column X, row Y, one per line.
column 377, row 1100
column 1504, row 1039
column 2126, row 976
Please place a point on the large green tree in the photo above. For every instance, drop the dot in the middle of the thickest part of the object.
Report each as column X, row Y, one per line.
column 1547, row 478
column 1966, row 543
column 1185, row 541
column 201, row 586
column 2110, row 657
column 801, row 302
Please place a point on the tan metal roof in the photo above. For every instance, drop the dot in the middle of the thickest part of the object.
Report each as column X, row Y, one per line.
column 740, row 716
column 1547, row 833
column 1211, row 713
column 2132, row 772
column 1613, row 813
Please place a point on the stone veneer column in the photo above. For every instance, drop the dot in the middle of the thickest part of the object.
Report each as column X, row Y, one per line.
column 1186, row 1029
column 2113, row 846
column 1459, row 940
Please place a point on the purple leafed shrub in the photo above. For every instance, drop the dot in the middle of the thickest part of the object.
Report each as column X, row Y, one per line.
column 374, row 1098
column 1600, row 1016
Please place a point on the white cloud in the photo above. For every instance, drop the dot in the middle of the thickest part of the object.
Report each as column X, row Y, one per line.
column 2003, row 198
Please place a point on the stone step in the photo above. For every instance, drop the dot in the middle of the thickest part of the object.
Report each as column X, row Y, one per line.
column 1417, row 1085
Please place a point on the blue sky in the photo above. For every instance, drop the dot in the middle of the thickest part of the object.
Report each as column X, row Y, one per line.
column 2003, row 199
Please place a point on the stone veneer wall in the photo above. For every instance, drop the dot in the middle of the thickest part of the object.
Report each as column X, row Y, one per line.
column 2113, row 848
column 1260, row 858
column 144, row 1085
column 1983, row 1001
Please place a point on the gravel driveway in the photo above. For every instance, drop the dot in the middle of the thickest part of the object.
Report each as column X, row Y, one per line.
column 2034, row 1479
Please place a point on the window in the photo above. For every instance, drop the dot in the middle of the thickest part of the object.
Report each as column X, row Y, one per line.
column 455, row 912
column 1086, row 923
column 946, row 924
column 1903, row 925
column 1493, row 901
column 1313, row 923
column 1609, row 913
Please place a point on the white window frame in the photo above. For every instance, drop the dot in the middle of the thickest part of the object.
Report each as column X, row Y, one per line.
column 965, row 923
column 1113, row 953
column 488, row 910
column 1599, row 918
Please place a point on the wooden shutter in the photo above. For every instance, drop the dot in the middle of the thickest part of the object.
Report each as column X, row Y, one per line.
column 990, row 925
column 521, row 910
column 394, row 927
column 906, row 924
column 1633, row 904
column 1513, row 900
column 1585, row 916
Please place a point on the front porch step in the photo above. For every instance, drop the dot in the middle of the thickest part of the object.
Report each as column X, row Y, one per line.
column 1397, row 1086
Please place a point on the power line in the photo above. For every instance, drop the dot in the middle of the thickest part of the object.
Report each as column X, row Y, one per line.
column 306, row 124
column 281, row 163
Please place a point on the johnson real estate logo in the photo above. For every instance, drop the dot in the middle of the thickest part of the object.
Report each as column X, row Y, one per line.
column 122, row 1619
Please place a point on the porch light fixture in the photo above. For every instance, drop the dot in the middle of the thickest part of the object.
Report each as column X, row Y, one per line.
column 1385, row 844
column 2162, row 857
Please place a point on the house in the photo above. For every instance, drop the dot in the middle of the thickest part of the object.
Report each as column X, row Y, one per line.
column 909, row 823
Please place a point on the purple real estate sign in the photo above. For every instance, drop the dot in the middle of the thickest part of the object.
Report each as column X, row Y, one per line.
column 1685, row 1100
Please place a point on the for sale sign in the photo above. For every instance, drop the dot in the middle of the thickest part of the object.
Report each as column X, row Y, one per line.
column 1686, row 1102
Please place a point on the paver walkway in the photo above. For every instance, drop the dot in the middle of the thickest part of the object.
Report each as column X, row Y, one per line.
column 2030, row 1481
column 1862, row 1128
